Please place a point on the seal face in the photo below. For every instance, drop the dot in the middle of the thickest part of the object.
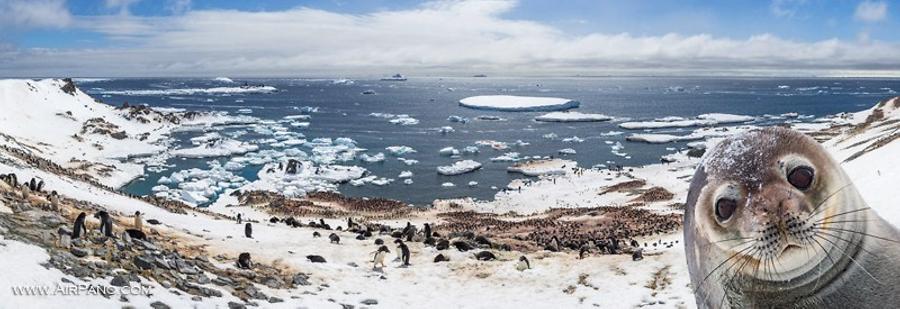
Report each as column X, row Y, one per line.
column 771, row 220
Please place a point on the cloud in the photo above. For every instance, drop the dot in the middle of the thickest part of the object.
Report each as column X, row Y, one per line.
column 34, row 14
column 178, row 6
column 869, row 11
column 434, row 38
column 785, row 8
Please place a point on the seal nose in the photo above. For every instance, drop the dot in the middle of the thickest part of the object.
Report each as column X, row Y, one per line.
column 778, row 201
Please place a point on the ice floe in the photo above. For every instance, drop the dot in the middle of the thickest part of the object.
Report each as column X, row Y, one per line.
column 572, row 117
column 509, row 103
column 216, row 148
column 458, row 168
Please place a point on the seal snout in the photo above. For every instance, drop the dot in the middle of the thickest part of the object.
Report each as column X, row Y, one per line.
column 782, row 210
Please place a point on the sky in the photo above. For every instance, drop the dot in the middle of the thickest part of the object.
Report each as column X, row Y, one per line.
column 349, row 38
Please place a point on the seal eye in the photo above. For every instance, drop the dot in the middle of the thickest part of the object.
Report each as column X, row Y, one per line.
column 801, row 177
column 725, row 208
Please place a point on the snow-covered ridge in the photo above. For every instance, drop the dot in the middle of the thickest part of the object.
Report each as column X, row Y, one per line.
column 65, row 125
column 510, row 103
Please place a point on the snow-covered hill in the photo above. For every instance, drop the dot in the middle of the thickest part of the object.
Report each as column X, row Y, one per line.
column 55, row 120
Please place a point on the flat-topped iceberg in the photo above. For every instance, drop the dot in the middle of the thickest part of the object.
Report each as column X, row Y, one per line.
column 458, row 168
column 510, row 103
column 572, row 117
column 661, row 138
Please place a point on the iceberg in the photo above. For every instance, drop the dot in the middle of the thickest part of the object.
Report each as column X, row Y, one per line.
column 448, row 151
column 567, row 151
column 459, row 168
column 399, row 150
column 509, row 103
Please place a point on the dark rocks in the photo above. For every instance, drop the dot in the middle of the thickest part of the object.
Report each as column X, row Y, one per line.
column 696, row 153
column 69, row 86
column 234, row 305
column 143, row 262
column 301, row 279
column 185, row 268
column 369, row 301
column 273, row 300
column 80, row 252
column 272, row 282
column 223, row 281
column 119, row 281
column 159, row 305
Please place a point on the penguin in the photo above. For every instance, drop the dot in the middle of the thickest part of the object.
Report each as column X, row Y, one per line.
column 404, row 253
column 379, row 242
column 429, row 241
column 315, row 258
column 360, row 236
column 138, row 221
column 316, row 234
column 583, row 251
column 441, row 258
column 485, row 256
column 239, row 220
column 106, row 224
column 462, row 246
column 54, row 201
column 334, row 238
column 523, row 264
column 379, row 257
column 136, row 234
column 637, row 255
column 428, row 232
column 248, row 230
column 32, row 185
column 40, row 186
column 273, row 220
column 443, row 244
column 244, row 262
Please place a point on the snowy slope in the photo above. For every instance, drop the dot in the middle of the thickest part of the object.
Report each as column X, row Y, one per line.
column 41, row 116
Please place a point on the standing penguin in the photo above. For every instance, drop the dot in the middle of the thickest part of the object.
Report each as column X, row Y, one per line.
column 79, row 226
column 54, row 201
column 404, row 252
column 428, row 234
column 106, row 224
column 334, row 238
column 138, row 221
column 379, row 257
column 523, row 264
column 239, row 220
column 248, row 230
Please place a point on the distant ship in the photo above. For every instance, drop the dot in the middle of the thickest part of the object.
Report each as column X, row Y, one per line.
column 395, row 78
column 479, row 75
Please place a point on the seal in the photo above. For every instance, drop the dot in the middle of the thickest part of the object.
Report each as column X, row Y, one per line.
column 772, row 221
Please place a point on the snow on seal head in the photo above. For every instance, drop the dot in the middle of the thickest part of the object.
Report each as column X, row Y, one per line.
column 510, row 103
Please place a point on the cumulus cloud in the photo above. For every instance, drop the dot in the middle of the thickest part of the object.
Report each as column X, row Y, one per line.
column 871, row 11
column 34, row 13
column 435, row 38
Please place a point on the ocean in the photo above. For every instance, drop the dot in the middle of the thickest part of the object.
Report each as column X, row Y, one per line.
column 344, row 111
